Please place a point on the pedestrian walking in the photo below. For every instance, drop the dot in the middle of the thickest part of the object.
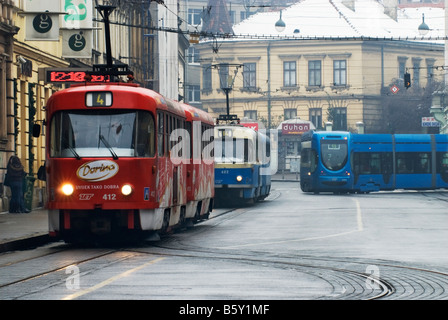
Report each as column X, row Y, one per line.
column 15, row 174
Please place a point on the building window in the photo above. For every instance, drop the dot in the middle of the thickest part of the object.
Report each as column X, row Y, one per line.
column 207, row 77
column 290, row 113
column 416, row 78
column 289, row 74
column 194, row 16
column 250, row 114
column 224, row 79
column 340, row 72
column 249, row 75
column 314, row 73
column 401, row 69
column 192, row 55
column 194, row 93
column 429, row 71
column 339, row 118
column 316, row 117
column 232, row 15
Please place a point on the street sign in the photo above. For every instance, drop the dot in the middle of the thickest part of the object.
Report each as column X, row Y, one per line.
column 394, row 89
column 42, row 26
column 77, row 43
column 430, row 122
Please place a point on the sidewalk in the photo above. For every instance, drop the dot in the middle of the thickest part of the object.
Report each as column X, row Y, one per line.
column 286, row 176
column 23, row 230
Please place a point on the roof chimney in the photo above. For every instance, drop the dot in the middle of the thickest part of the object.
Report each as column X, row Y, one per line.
column 390, row 8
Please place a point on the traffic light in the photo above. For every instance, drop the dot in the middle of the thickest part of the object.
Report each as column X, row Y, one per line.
column 407, row 80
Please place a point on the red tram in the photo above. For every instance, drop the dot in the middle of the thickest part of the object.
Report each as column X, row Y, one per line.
column 114, row 165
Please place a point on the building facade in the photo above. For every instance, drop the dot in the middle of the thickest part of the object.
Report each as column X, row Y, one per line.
column 339, row 72
column 338, row 81
column 25, row 57
column 204, row 16
column 339, row 75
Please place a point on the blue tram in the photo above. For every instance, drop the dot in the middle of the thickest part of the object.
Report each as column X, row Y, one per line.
column 242, row 172
column 325, row 162
column 345, row 162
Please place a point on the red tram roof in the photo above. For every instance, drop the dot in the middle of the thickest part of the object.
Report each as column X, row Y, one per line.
column 195, row 114
column 125, row 96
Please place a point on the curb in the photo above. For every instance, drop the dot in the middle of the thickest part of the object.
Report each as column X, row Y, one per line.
column 25, row 243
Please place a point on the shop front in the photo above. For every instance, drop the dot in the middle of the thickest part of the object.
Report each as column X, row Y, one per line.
column 289, row 147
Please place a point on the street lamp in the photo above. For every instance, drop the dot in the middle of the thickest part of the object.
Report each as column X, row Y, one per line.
column 226, row 79
column 423, row 28
column 280, row 24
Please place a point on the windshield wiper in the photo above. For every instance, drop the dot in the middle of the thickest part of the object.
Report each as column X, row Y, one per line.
column 108, row 146
column 64, row 141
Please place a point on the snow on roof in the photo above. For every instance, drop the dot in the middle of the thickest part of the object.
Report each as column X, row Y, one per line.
column 331, row 18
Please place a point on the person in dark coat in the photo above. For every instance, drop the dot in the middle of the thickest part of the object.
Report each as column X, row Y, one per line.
column 16, row 173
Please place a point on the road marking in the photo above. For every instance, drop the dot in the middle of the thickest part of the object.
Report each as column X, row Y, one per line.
column 292, row 240
column 110, row 280
column 360, row 227
column 358, row 215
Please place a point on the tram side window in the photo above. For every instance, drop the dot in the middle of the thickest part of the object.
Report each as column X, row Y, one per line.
column 309, row 158
column 166, row 135
column 372, row 162
column 207, row 139
column 263, row 150
column 160, row 129
column 145, row 146
column 413, row 162
column 442, row 165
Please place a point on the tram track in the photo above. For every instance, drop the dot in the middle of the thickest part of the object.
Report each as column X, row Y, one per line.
column 348, row 278
column 345, row 276
column 347, row 284
column 55, row 274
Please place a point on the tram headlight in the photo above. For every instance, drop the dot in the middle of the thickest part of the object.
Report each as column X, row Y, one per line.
column 67, row 189
column 126, row 189
column 239, row 178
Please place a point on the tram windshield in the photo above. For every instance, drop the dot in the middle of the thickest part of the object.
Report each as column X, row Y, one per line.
column 334, row 154
column 112, row 133
column 234, row 150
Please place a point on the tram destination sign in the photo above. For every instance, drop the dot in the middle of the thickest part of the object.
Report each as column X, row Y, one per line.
column 69, row 75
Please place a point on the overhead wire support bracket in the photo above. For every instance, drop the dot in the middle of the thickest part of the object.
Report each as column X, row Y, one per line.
column 109, row 69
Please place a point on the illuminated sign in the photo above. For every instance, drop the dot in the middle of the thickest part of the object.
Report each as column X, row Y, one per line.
column 71, row 76
column 99, row 99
